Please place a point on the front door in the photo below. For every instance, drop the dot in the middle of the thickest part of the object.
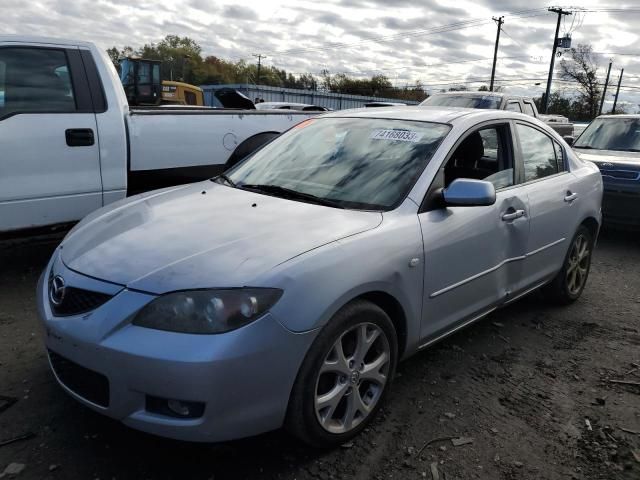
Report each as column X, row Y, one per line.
column 473, row 255
column 49, row 159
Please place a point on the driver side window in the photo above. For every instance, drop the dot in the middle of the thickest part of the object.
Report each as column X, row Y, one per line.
column 483, row 155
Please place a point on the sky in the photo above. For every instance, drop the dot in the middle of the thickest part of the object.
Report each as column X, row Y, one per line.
column 439, row 42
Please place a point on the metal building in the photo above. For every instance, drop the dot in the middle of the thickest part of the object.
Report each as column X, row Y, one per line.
column 334, row 101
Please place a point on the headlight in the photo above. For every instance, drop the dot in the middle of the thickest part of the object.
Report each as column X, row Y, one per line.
column 206, row 311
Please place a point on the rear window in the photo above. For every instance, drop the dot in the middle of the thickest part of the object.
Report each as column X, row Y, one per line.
column 464, row 101
column 528, row 109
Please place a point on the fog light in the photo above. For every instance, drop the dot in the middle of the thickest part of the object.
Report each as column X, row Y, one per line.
column 178, row 407
column 174, row 408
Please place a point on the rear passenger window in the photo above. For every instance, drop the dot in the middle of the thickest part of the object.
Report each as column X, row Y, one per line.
column 514, row 107
column 559, row 157
column 35, row 80
column 528, row 109
column 538, row 153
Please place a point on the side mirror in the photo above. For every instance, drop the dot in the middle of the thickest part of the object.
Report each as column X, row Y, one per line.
column 470, row 193
column 569, row 139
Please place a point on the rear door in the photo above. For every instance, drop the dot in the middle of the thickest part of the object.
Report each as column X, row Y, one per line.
column 49, row 158
column 553, row 194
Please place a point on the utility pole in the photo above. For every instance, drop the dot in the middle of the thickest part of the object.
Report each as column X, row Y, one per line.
column 499, row 21
column 259, row 57
column 604, row 92
column 615, row 101
column 560, row 13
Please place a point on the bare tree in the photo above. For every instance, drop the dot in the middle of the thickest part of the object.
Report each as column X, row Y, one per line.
column 582, row 68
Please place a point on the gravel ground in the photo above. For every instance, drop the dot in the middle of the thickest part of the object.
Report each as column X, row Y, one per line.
column 530, row 386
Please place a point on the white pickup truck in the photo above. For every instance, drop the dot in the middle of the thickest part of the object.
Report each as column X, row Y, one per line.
column 69, row 143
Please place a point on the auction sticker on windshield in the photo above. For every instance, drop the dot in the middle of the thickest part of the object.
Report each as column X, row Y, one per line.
column 400, row 135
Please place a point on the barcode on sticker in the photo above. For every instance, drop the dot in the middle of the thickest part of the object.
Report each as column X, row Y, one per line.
column 397, row 135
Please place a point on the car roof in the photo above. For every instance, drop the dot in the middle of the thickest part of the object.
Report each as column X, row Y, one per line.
column 626, row 115
column 43, row 40
column 479, row 93
column 285, row 103
column 425, row 113
column 470, row 93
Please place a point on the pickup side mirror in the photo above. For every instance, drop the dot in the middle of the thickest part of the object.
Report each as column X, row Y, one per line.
column 470, row 193
column 569, row 139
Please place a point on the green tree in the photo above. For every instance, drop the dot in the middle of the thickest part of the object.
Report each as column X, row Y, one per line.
column 115, row 54
column 581, row 67
column 180, row 57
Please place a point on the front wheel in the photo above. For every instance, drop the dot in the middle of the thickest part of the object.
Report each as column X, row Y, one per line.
column 568, row 285
column 344, row 377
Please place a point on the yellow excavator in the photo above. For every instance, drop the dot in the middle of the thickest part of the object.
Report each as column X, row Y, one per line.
column 143, row 86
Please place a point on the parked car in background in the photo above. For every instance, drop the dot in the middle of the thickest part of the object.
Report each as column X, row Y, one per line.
column 612, row 142
column 305, row 107
column 499, row 101
column 227, row 308
column 70, row 143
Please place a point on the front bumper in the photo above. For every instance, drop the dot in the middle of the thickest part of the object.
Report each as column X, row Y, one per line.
column 621, row 206
column 243, row 377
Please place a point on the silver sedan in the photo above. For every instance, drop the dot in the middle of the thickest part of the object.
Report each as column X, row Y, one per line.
column 285, row 292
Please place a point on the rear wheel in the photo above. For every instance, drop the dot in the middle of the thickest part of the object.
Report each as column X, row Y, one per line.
column 568, row 285
column 345, row 376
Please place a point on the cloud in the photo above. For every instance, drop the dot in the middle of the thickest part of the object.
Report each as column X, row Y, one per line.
column 297, row 36
column 237, row 12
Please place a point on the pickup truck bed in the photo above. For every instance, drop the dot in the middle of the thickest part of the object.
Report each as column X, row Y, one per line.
column 184, row 144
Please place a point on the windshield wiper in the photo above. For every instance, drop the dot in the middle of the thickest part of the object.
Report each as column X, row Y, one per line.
column 222, row 176
column 586, row 147
column 290, row 194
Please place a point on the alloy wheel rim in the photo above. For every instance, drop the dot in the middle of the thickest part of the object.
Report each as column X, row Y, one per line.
column 578, row 265
column 352, row 378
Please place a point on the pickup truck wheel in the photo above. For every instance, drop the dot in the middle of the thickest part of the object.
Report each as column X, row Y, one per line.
column 344, row 377
column 249, row 146
column 568, row 285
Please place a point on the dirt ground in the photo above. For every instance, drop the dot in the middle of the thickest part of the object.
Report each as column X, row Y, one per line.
column 531, row 385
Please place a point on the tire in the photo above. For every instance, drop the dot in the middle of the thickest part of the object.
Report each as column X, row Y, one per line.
column 570, row 281
column 321, row 404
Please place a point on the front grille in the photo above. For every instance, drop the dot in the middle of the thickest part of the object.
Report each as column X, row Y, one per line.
column 76, row 301
column 90, row 385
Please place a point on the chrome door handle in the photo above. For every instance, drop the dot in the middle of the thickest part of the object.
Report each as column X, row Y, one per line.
column 507, row 217
column 570, row 197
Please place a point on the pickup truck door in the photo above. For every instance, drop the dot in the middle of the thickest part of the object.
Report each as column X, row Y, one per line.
column 49, row 157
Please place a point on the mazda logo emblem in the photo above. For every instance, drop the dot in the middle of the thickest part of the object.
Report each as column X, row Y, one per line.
column 57, row 290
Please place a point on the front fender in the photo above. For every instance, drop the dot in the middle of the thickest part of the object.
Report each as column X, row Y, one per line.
column 320, row 282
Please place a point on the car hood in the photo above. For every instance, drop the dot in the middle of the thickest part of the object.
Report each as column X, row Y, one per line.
column 610, row 156
column 203, row 235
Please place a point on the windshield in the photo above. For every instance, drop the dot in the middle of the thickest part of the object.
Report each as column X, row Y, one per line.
column 359, row 163
column 621, row 134
column 466, row 101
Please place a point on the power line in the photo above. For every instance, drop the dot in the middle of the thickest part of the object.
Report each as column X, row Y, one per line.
column 415, row 33
column 499, row 21
column 560, row 13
